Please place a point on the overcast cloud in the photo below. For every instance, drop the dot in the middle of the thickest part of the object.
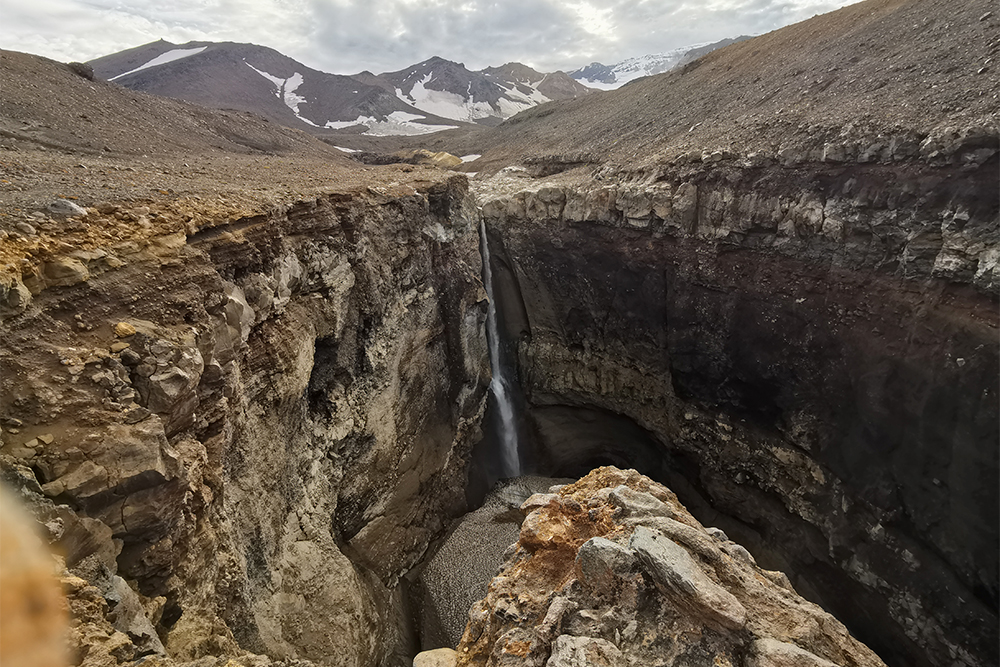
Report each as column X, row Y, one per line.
column 347, row 36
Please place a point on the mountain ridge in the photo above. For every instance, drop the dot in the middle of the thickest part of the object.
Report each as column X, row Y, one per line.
column 609, row 77
column 429, row 96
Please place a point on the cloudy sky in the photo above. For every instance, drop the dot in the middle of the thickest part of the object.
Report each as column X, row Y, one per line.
column 347, row 36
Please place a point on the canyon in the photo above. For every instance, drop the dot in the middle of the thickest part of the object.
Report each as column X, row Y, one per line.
column 246, row 380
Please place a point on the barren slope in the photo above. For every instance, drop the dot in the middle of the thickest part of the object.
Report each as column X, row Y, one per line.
column 875, row 68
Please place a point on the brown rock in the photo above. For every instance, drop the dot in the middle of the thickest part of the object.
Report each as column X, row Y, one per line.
column 124, row 330
column 64, row 271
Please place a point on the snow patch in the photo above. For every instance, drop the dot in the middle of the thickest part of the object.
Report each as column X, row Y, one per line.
column 163, row 59
column 444, row 104
column 600, row 85
column 403, row 116
column 286, row 92
column 402, row 123
column 471, row 157
column 398, row 123
column 341, row 124
column 347, row 150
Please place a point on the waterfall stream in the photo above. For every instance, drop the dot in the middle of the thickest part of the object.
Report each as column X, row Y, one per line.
column 499, row 385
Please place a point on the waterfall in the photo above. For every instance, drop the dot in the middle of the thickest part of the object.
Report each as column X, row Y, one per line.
column 499, row 385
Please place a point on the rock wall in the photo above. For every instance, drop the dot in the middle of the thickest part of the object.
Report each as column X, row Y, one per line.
column 810, row 341
column 241, row 435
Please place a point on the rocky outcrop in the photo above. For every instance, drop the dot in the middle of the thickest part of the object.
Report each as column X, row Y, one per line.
column 242, row 433
column 805, row 350
column 612, row 570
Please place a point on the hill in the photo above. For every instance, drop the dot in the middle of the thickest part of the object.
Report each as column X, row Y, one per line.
column 858, row 76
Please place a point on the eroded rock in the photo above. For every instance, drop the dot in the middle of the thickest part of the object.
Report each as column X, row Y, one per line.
column 632, row 596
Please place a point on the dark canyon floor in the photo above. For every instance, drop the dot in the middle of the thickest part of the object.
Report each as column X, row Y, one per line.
column 245, row 378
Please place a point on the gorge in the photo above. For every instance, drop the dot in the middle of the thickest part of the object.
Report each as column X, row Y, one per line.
column 246, row 381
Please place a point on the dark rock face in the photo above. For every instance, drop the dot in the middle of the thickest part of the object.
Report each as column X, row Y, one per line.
column 815, row 353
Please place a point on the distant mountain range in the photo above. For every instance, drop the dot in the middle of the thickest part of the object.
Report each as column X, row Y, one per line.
column 609, row 77
column 434, row 95
column 430, row 96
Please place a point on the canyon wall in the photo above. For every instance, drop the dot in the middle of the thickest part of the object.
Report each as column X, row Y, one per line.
column 241, row 433
column 803, row 347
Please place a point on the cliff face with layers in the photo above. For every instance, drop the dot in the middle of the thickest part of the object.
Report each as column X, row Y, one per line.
column 241, row 432
column 810, row 345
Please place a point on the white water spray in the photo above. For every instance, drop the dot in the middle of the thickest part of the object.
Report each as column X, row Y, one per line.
column 499, row 385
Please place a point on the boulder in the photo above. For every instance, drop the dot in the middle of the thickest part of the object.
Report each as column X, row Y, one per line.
column 65, row 208
column 438, row 657
column 677, row 574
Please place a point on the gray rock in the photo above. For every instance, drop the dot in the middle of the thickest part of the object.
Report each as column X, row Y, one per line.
column 64, row 207
column 439, row 657
column 834, row 153
column 14, row 295
column 81, row 482
column 717, row 533
column 568, row 651
column 25, row 228
column 770, row 652
column 130, row 617
column 136, row 415
column 677, row 574
column 22, row 452
column 601, row 563
column 537, row 500
column 550, row 626
column 738, row 552
column 632, row 503
column 694, row 539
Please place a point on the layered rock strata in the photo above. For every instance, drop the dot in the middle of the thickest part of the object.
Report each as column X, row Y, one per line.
column 241, row 433
column 803, row 346
column 612, row 570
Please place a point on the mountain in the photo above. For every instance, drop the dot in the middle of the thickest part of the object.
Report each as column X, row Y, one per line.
column 426, row 97
column 609, row 77
column 450, row 90
column 110, row 120
column 261, row 80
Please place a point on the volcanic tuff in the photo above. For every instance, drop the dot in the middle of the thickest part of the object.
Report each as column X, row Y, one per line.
column 244, row 387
